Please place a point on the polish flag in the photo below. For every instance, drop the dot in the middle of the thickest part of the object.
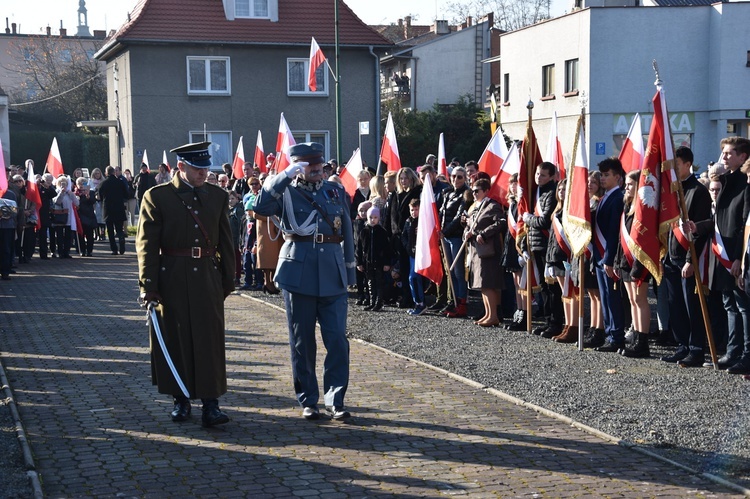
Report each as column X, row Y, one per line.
column 389, row 150
column 442, row 166
column 145, row 158
column 531, row 157
column 632, row 153
column 284, row 140
column 427, row 261
column 350, row 173
column 259, row 158
column 3, row 172
column 32, row 191
column 494, row 154
column 165, row 159
column 554, row 151
column 316, row 59
column 54, row 163
column 576, row 218
column 500, row 182
column 239, row 161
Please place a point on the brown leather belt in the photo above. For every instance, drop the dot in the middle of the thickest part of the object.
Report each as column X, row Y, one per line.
column 194, row 252
column 317, row 238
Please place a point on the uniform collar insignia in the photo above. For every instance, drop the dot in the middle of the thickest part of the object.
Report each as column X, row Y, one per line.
column 309, row 186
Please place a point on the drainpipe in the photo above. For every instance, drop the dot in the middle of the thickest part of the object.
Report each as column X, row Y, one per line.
column 377, row 103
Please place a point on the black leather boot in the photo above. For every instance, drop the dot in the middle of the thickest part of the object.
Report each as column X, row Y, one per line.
column 181, row 410
column 212, row 415
column 639, row 349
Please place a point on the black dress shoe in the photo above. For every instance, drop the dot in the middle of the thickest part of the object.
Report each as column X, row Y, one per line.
column 181, row 410
column 378, row 306
column 741, row 367
column 551, row 332
column 692, row 360
column 725, row 362
column 610, row 346
column 539, row 330
column 212, row 415
column 311, row 413
column 338, row 413
column 593, row 338
column 680, row 354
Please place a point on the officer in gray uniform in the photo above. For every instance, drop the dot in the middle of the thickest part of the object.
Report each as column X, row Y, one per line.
column 316, row 265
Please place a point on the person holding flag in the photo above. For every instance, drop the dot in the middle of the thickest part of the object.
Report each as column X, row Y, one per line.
column 606, row 240
column 685, row 313
column 453, row 207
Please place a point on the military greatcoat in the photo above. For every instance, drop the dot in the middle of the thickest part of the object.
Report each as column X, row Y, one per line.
column 191, row 313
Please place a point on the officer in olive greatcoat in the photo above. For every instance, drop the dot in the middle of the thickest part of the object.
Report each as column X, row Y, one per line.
column 316, row 265
column 186, row 266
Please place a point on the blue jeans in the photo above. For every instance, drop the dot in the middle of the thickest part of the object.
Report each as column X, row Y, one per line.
column 415, row 283
column 457, row 274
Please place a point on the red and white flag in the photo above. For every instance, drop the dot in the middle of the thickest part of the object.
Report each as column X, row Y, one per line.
column 576, row 217
column 284, row 140
column 32, row 191
column 239, row 161
column 389, row 150
column 165, row 159
column 632, row 153
column 656, row 205
column 554, row 150
column 530, row 159
column 259, row 158
column 494, row 154
column 350, row 173
column 427, row 260
column 316, row 59
column 54, row 163
column 501, row 182
column 3, row 172
column 442, row 165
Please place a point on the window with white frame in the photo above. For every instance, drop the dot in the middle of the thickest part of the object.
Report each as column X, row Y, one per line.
column 319, row 136
column 208, row 75
column 548, row 81
column 220, row 148
column 251, row 8
column 296, row 82
column 571, row 76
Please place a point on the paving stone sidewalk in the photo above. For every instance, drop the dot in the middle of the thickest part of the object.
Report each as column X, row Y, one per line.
column 75, row 348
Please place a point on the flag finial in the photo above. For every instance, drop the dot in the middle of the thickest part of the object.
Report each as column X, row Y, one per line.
column 656, row 72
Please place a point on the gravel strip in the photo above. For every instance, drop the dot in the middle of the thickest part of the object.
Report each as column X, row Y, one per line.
column 694, row 416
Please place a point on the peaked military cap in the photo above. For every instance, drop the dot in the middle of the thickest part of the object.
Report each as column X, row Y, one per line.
column 310, row 152
column 195, row 154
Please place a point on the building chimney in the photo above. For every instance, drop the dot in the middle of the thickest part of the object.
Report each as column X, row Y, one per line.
column 469, row 22
column 442, row 27
column 63, row 32
column 100, row 33
column 7, row 27
column 49, row 31
column 400, row 23
column 13, row 28
column 407, row 28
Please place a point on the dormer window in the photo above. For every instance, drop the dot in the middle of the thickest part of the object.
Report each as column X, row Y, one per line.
column 251, row 9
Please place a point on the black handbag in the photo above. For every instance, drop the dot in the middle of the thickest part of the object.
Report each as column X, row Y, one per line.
column 485, row 250
column 59, row 217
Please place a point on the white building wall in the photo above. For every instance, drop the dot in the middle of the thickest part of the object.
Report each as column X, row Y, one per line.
column 701, row 52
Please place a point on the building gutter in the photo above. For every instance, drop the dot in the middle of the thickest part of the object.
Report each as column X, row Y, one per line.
column 377, row 102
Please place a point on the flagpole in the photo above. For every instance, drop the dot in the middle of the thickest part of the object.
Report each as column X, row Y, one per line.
column 693, row 254
column 447, row 268
column 530, row 262
column 582, row 256
column 338, row 85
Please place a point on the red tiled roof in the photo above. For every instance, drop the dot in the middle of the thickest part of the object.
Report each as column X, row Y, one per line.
column 204, row 21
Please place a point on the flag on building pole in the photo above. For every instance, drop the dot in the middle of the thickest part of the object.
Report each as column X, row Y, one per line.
column 389, row 150
column 576, row 217
column 316, row 59
column 350, row 173
column 145, row 158
column 259, row 157
column 427, row 260
column 656, row 203
column 442, row 165
column 3, row 172
column 54, row 162
column 165, row 159
column 32, row 191
column 284, row 140
column 239, row 161
column 494, row 154
column 632, row 154
column 554, row 151
column 501, row 182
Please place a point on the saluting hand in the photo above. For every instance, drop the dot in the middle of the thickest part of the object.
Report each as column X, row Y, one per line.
column 295, row 169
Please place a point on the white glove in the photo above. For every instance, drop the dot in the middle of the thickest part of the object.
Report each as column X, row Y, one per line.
column 526, row 217
column 295, row 169
column 521, row 261
column 549, row 271
column 685, row 228
column 525, row 256
column 568, row 267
